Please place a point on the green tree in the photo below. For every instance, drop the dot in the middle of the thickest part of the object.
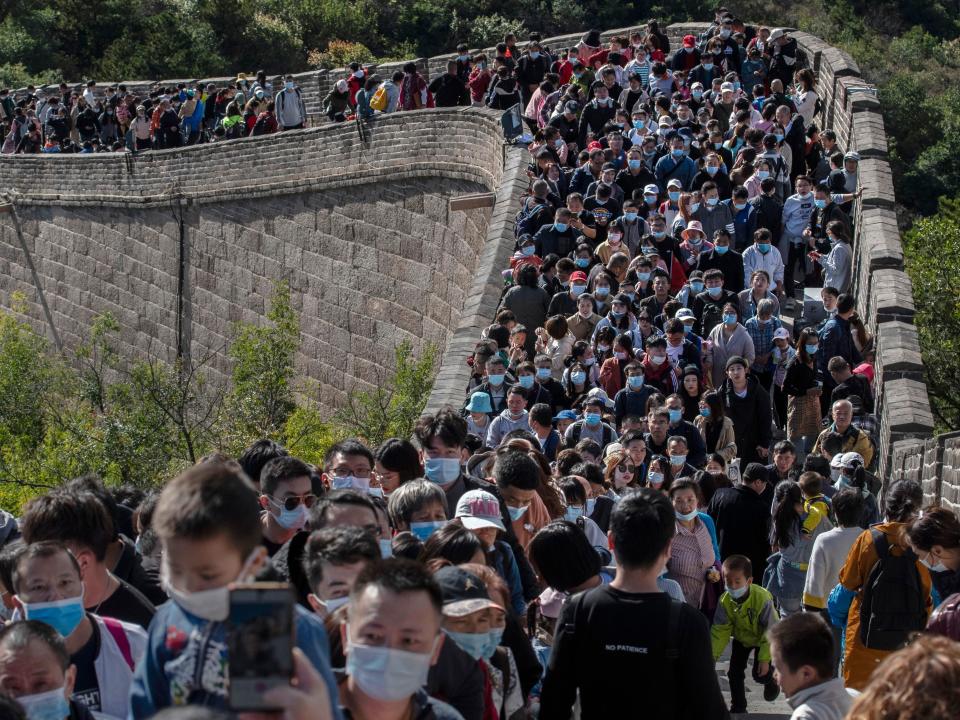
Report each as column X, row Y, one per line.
column 391, row 409
column 931, row 251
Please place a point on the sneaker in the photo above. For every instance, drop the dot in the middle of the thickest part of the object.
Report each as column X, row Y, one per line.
column 771, row 691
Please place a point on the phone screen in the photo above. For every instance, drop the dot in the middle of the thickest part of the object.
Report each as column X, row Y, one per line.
column 259, row 642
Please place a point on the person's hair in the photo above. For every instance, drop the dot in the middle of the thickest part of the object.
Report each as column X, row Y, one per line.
column 936, row 526
column 348, row 447
column 832, row 442
column 209, row 499
column 714, row 401
column 282, row 469
column 562, row 556
column 804, row 639
column 837, row 364
column 94, row 485
column 591, row 472
column 686, row 484
column 344, row 496
column 785, row 516
column 447, row 425
column 10, row 709
column 42, row 549
column 9, row 558
column 903, row 500
column 399, row 576
column 567, row 459
column 453, row 543
column 70, row 517
column 411, row 497
column 806, row 334
column 846, row 303
column 401, row 457
column 572, row 489
column 642, row 525
column 848, row 506
column 810, row 483
column 18, row 635
column 920, row 681
column 740, row 564
column 516, row 469
column 337, row 546
column 541, row 413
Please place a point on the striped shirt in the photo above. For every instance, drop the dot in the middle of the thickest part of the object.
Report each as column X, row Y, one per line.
column 691, row 555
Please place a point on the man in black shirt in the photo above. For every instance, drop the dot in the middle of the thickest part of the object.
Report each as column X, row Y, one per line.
column 287, row 494
column 448, row 90
column 849, row 384
column 742, row 517
column 619, row 645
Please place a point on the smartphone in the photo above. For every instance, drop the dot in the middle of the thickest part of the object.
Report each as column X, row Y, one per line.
column 260, row 641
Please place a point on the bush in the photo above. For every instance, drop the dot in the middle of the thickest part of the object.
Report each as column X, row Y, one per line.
column 339, row 54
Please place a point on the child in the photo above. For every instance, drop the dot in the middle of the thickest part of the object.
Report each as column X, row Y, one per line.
column 745, row 613
column 208, row 522
column 811, row 486
column 480, row 410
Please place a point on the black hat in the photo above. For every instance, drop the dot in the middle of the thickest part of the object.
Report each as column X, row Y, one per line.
column 463, row 592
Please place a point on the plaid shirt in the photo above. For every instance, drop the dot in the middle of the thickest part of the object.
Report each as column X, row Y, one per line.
column 762, row 336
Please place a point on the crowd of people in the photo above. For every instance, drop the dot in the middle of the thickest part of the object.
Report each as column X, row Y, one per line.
column 657, row 457
column 116, row 120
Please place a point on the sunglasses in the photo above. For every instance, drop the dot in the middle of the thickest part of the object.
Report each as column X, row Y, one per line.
column 291, row 503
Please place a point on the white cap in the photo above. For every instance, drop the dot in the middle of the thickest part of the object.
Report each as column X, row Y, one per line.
column 601, row 395
column 478, row 509
column 777, row 33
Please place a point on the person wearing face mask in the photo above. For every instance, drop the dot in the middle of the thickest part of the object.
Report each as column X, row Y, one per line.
column 837, row 263
column 706, row 71
column 512, row 418
column 392, row 641
column 591, row 427
column 207, row 520
column 636, row 175
column 935, row 538
column 103, row 651
column 286, row 496
column 35, row 671
column 291, row 112
column 597, row 113
column 632, row 399
column 532, row 66
column 724, row 258
column 693, row 555
column 712, row 214
column 676, row 164
column 687, row 56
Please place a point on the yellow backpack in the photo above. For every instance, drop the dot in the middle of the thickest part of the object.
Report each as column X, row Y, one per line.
column 379, row 99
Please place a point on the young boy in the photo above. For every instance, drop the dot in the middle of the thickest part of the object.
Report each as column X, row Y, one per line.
column 745, row 613
column 811, row 485
column 803, row 653
column 208, row 522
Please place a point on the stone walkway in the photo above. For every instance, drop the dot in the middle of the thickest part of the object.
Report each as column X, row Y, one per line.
column 757, row 707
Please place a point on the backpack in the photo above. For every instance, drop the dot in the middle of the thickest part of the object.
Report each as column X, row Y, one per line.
column 260, row 127
column 379, row 99
column 892, row 605
column 578, row 430
column 523, row 222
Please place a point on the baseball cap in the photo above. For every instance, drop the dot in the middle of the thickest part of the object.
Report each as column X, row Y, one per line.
column 578, row 275
column 571, row 106
column 682, row 315
column 781, row 334
column 478, row 509
column 851, row 460
column 689, row 41
column 852, row 155
column 565, row 415
column 836, row 462
column 651, row 189
column 777, row 33
column 726, row 87
column 463, row 592
column 675, row 183
column 601, row 395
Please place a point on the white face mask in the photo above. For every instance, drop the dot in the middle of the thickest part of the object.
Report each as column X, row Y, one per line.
column 213, row 604
column 385, row 673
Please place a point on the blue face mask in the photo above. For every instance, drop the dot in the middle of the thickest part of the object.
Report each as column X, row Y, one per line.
column 739, row 206
column 655, row 478
column 617, row 315
column 534, row 54
column 473, row 644
column 494, row 639
column 297, row 518
column 811, row 349
column 578, row 290
column 578, row 378
column 573, row 513
column 712, row 202
column 630, row 216
column 779, row 137
column 526, row 381
column 697, row 94
column 543, row 373
column 639, row 124
column 705, row 412
column 674, row 196
column 650, row 199
column 528, row 250
column 677, row 152
column 715, row 292
column 729, row 318
column 496, row 379
column 763, row 174
column 561, row 227
column 423, row 530
column 659, row 234
column 442, row 471
column 50, row 705
column 737, row 593
column 634, row 164
column 675, row 416
column 764, row 248
column 643, row 277
column 592, row 418
column 820, row 203
column 591, row 504
column 632, row 296
column 601, row 292
column 711, row 170
column 694, row 207
column 721, row 249
column 696, row 286
column 62, row 615
column 516, row 512
column 635, row 382
column 581, row 262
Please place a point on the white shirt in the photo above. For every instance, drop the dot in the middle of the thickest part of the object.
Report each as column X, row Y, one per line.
column 772, row 262
column 827, row 701
column 826, row 560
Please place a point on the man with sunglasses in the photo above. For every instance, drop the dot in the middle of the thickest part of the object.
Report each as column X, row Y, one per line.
column 286, row 496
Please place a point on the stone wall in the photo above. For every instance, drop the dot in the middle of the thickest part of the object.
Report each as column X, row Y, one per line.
column 468, row 149
column 361, row 231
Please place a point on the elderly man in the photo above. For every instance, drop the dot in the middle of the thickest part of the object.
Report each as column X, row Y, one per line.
column 854, row 439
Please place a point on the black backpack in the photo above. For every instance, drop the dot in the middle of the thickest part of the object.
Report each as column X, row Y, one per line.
column 893, row 605
column 527, row 217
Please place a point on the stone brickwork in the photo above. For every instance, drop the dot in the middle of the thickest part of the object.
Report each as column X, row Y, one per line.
column 361, row 231
column 253, row 198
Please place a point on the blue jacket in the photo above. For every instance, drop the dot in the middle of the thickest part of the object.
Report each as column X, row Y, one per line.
column 193, row 122
column 505, row 563
column 186, row 661
column 667, row 170
column 836, row 340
